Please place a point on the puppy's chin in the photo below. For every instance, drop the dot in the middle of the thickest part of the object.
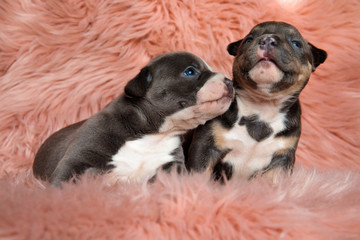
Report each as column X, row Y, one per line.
column 211, row 109
column 266, row 72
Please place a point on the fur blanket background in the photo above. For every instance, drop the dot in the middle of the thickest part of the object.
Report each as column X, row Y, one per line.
column 62, row 61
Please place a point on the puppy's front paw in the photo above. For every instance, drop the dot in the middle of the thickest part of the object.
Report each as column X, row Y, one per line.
column 177, row 166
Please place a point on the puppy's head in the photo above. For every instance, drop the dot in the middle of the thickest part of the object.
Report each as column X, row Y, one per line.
column 182, row 88
column 274, row 60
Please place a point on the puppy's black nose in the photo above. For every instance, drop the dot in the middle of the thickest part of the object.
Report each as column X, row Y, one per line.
column 268, row 42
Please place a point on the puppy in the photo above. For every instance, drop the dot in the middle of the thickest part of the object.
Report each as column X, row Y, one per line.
column 140, row 131
column 260, row 131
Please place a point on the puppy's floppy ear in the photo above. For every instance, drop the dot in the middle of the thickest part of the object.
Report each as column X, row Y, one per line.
column 319, row 56
column 138, row 86
column 232, row 48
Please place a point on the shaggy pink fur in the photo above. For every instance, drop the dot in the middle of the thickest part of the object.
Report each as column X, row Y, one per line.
column 62, row 61
column 307, row 205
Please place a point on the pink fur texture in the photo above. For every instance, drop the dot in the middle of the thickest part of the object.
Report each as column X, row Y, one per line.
column 62, row 61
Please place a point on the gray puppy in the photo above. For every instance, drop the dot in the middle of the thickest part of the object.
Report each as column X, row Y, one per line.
column 140, row 131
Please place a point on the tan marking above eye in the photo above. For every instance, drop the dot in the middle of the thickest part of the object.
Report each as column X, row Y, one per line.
column 291, row 32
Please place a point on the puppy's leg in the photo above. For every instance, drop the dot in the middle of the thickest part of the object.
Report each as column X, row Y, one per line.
column 169, row 167
column 53, row 150
column 281, row 162
column 203, row 153
column 177, row 166
column 284, row 160
column 67, row 168
column 178, row 162
column 222, row 171
column 272, row 173
column 61, row 173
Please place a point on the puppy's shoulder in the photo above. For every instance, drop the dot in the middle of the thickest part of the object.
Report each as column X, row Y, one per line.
column 292, row 121
column 219, row 126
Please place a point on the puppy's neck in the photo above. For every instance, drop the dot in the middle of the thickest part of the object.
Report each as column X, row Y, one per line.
column 258, row 99
column 140, row 117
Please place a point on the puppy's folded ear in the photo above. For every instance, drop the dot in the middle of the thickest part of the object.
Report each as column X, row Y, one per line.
column 319, row 56
column 138, row 86
column 232, row 48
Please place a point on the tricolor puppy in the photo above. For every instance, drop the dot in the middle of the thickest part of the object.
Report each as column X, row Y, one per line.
column 140, row 131
column 260, row 131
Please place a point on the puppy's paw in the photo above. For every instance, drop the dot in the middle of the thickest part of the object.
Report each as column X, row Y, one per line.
column 274, row 174
column 177, row 166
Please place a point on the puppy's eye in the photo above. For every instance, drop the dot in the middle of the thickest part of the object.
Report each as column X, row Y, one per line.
column 249, row 40
column 296, row 44
column 190, row 71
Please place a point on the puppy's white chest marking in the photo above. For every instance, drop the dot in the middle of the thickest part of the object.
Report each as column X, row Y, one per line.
column 248, row 153
column 138, row 160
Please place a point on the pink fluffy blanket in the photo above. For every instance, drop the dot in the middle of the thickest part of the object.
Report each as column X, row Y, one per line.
column 62, row 61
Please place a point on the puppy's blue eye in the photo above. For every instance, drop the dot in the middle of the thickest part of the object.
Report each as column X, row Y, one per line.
column 296, row 44
column 190, row 71
column 249, row 40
